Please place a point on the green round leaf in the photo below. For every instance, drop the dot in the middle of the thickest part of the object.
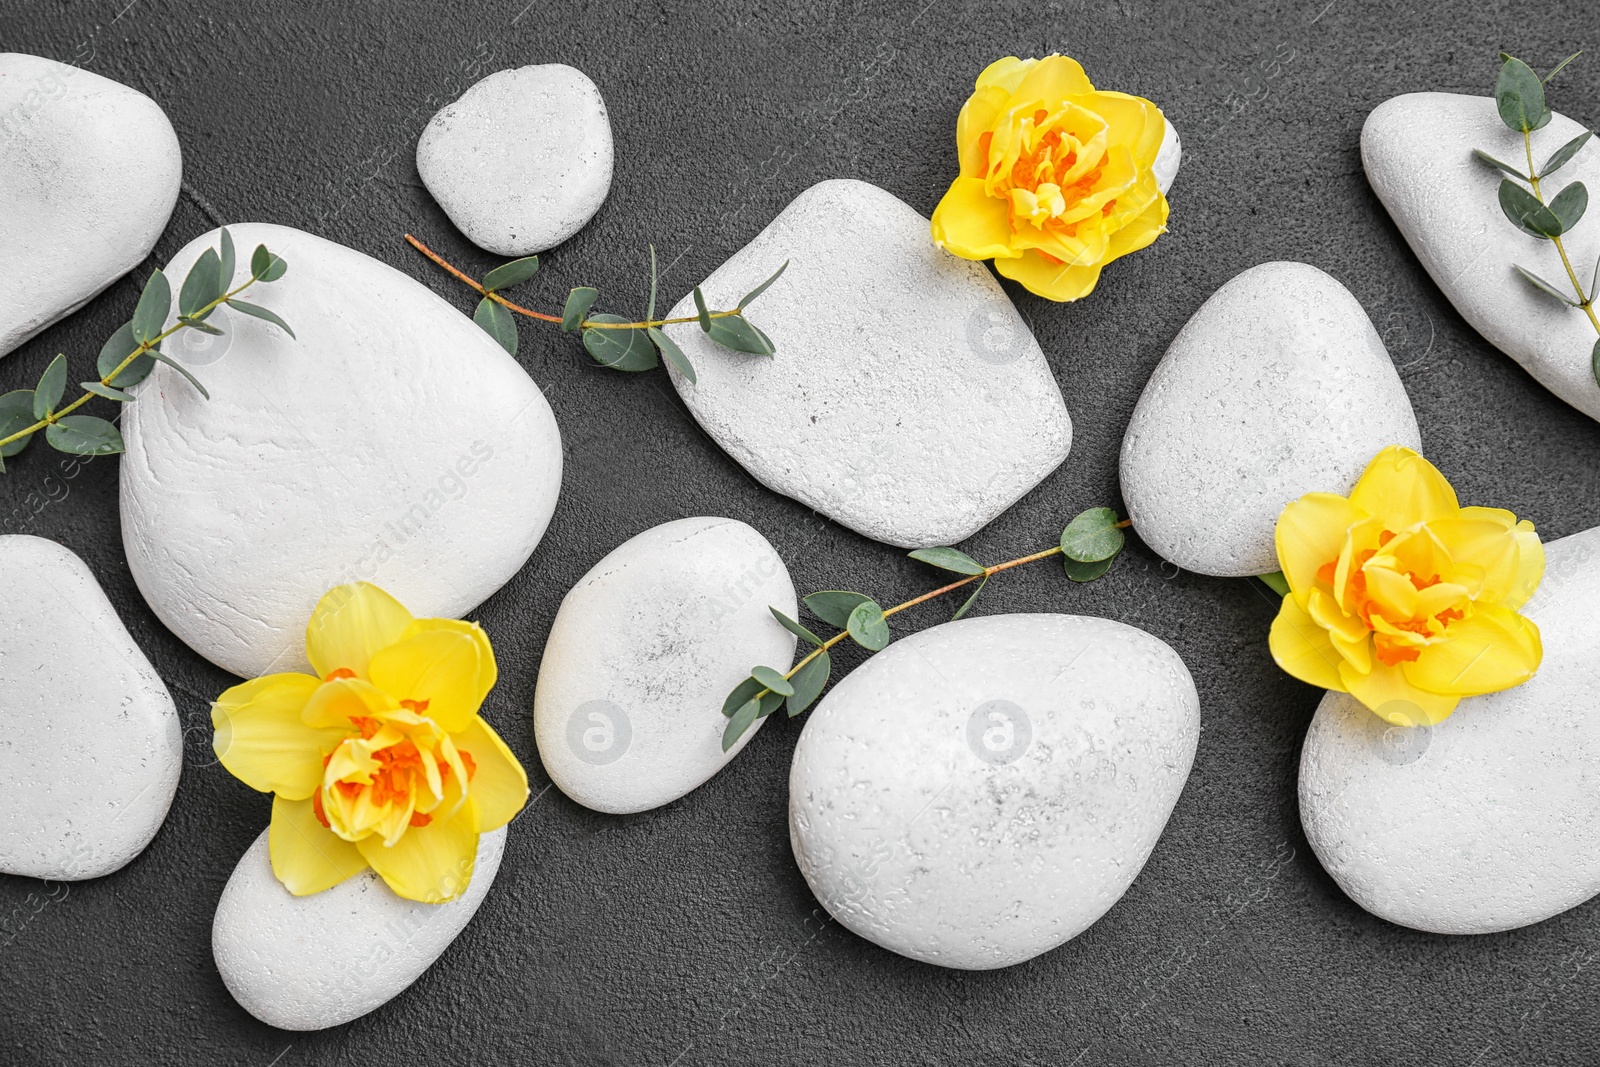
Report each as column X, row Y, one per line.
column 674, row 355
column 579, row 301
column 624, row 350
column 834, row 606
column 1564, row 154
column 514, row 273
column 740, row 722
column 794, row 627
column 1519, row 95
column 117, row 348
column 202, row 285
column 84, row 435
column 868, row 627
column 1525, row 211
column 154, row 304
column 808, row 683
column 742, row 693
column 107, row 391
column 701, row 309
column 948, row 559
column 1569, row 205
column 1092, row 536
column 737, row 333
column 225, row 264
column 16, row 415
column 772, row 680
column 52, row 384
column 497, row 323
column 1086, row 572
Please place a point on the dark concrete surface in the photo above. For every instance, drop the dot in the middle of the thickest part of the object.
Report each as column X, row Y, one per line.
column 686, row 935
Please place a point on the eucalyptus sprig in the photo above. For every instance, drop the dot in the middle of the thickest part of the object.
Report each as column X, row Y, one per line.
column 611, row 340
column 1088, row 546
column 132, row 352
column 1519, row 98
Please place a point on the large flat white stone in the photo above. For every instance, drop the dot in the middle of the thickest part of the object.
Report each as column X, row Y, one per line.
column 522, row 160
column 1278, row 386
column 1486, row 821
column 907, row 399
column 644, row 650
column 89, row 174
column 393, row 442
column 90, row 748
column 983, row 791
column 308, row 963
column 1417, row 150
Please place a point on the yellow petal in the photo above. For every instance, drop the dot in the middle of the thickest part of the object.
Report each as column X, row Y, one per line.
column 1513, row 563
column 261, row 739
column 1302, row 648
column 979, row 115
column 350, row 624
column 431, row 864
column 488, row 671
column 1050, row 80
column 1386, row 691
column 1132, row 121
column 1311, row 533
column 1492, row 649
column 972, row 224
column 307, row 857
column 1053, row 281
column 1140, row 231
column 1005, row 74
column 499, row 785
column 1400, row 488
column 438, row 666
column 335, row 703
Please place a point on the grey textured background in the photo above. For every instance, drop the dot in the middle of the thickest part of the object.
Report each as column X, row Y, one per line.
column 686, row 935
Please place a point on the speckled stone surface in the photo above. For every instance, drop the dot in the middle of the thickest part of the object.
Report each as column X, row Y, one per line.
column 522, row 160
column 1417, row 151
column 390, row 440
column 643, row 652
column 77, row 216
column 1489, row 820
column 907, row 399
column 89, row 744
column 1278, row 386
column 308, row 963
column 983, row 791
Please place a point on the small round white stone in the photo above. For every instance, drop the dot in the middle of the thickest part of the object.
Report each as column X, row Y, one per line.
column 1168, row 156
column 642, row 654
column 389, row 441
column 308, row 963
column 522, row 160
column 1489, row 820
column 983, row 791
column 77, row 212
column 1278, row 386
column 90, row 749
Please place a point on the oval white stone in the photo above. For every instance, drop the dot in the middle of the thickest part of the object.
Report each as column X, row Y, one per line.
column 307, row 963
column 1277, row 387
column 920, row 363
column 642, row 654
column 983, row 791
column 90, row 749
column 77, row 216
column 1489, row 820
column 1417, row 151
column 393, row 442
column 522, row 160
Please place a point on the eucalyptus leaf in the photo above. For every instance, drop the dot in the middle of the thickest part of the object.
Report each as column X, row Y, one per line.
column 773, row 680
column 1540, row 283
column 151, row 312
column 948, row 559
column 1569, row 205
column 1092, row 536
column 109, row 392
column 769, row 704
column 758, row 290
column 16, row 415
column 971, row 600
column 739, row 723
column 1525, row 211
column 1276, row 582
column 1519, row 95
column 737, row 333
column 808, row 683
column 1079, row 571
column 497, row 322
column 183, row 371
column 1562, row 155
column 1594, row 362
column 624, row 350
column 117, row 348
column 579, row 301
column 701, row 309
column 84, row 435
column 514, row 273
column 674, row 355
column 266, row 315
column 1493, row 162
column 742, row 693
column 52, row 384
column 225, row 264
column 1561, row 66
column 794, row 627
column 834, row 606
column 868, row 627
column 199, row 324
column 260, row 260
column 201, row 285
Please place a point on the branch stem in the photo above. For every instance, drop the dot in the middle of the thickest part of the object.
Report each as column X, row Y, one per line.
column 1585, row 300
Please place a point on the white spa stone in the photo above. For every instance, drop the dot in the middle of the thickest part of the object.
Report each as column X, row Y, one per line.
column 1486, row 821
column 1168, row 157
column 522, row 160
column 983, row 791
column 643, row 652
column 907, row 399
column 308, row 963
column 1417, row 150
column 76, row 212
column 391, row 442
column 1277, row 387
column 90, row 748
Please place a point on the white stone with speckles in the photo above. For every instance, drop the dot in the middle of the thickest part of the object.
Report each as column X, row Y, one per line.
column 983, row 791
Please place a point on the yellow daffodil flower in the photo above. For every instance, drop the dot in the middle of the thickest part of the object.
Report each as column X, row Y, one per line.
column 381, row 760
column 1401, row 597
column 1057, row 178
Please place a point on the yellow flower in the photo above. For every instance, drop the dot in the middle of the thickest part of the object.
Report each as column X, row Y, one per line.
column 1056, row 178
column 380, row 760
column 1401, row 597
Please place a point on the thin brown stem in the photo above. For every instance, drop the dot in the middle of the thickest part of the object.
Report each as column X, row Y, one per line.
column 1585, row 300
